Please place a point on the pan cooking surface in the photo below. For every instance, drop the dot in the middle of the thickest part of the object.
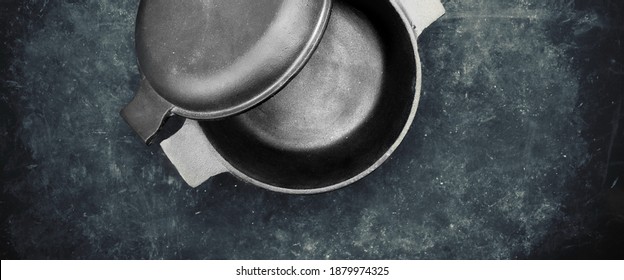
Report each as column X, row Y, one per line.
column 217, row 58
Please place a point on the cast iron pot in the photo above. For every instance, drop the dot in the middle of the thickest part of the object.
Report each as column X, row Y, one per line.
column 335, row 121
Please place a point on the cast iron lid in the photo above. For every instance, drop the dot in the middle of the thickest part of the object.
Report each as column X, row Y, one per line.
column 216, row 58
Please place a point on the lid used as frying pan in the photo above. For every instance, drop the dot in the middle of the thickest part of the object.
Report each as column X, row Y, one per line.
column 209, row 59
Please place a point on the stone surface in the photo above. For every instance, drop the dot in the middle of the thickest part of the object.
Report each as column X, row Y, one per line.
column 516, row 150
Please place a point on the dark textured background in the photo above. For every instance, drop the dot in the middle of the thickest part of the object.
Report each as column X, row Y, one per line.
column 516, row 150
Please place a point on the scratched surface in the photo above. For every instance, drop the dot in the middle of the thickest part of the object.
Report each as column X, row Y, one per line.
column 516, row 150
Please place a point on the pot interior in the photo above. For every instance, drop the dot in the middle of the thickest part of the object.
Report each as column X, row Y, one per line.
column 339, row 116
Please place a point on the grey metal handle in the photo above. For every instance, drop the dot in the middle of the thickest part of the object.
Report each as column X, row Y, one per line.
column 421, row 13
column 192, row 154
column 146, row 112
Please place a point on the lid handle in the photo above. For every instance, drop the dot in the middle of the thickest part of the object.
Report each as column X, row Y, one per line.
column 146, row 112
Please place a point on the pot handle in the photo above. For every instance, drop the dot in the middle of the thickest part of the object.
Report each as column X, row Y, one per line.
column 146, row 112
column 421, row 13
column 192, row 154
